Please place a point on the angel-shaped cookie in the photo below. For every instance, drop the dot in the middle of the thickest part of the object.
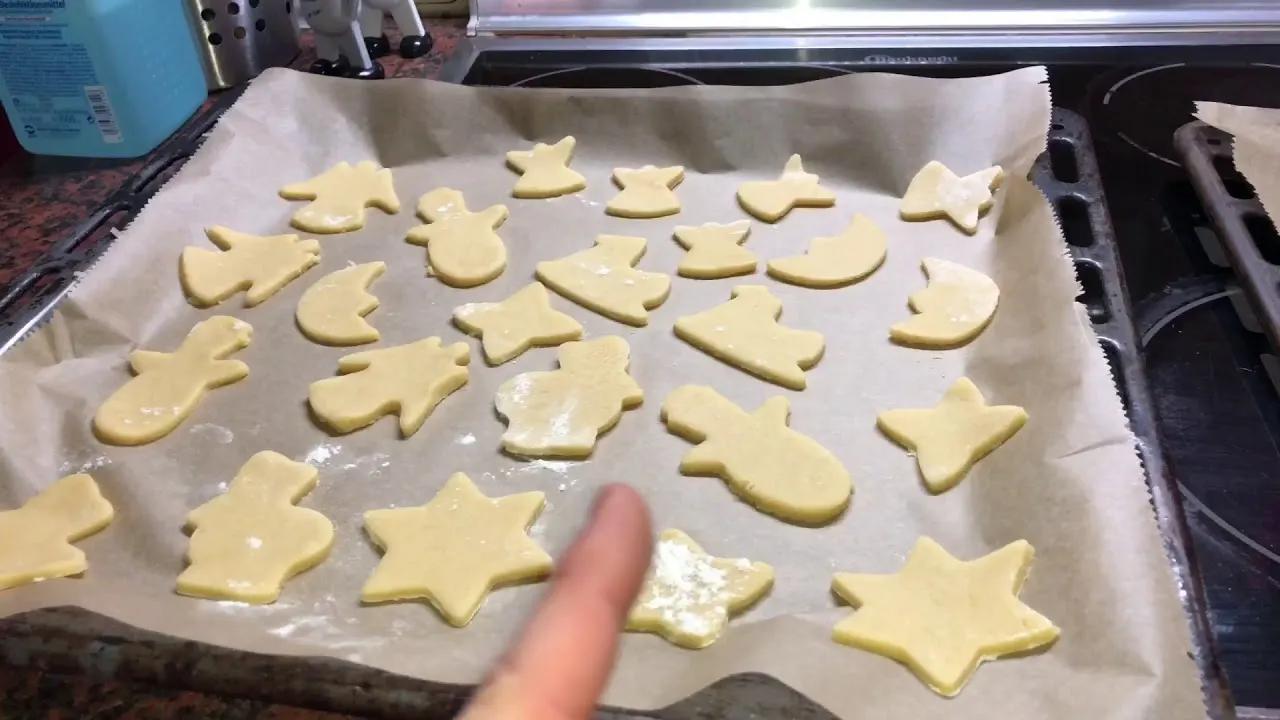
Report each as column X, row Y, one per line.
column 545, row 170
column 340, row 195
column 646, row 192
column 408, row 380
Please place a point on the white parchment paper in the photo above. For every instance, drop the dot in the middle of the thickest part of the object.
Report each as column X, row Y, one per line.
column 1069, row 482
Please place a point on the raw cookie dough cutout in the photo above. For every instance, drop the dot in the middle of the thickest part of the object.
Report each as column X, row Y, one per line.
column 545, row 170
column 462, row 248
column 745, row 333
column 168, row 386
column 524, row 320
column 952, row 310
column 688, row 595
column 948, row 439
column 760, row 458
column 248, row 541
column 258, row 264
column 332, row 311
column 455, row 549
column 339, row 196
column 715, row 250
column 771, row 200
column 35, row 539
column 936, row 192
column 646, row 192
column 836, row 260
column 561, row 413
column 409, row 380
column 603, row 279
column 942, row 617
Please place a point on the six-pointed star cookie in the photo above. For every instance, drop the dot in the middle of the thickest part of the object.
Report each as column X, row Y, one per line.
column 524, row 320
column 689, row 595
column 455, row 549
column 941, row 616
column 950, row 438
column 937, row 192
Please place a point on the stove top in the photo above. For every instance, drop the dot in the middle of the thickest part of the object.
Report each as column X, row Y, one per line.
column 1213, row 375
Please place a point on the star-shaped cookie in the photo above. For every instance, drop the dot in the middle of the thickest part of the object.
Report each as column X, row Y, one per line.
column 941, row 616
column 524, row 320
column 937, row 192
column 689, row 595
column 948, row 439
column 455, row 549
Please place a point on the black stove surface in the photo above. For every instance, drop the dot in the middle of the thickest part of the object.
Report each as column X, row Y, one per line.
column 1212, row 372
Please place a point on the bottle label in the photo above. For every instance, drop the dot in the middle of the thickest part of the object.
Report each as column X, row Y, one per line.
column 54, row 90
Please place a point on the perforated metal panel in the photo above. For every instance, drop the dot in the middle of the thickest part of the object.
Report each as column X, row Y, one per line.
column 240, row 38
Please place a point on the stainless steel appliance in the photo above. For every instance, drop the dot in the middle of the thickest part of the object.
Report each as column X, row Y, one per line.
column 240, row 38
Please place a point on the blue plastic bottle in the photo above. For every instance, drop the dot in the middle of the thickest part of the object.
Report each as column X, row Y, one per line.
column 97, row 78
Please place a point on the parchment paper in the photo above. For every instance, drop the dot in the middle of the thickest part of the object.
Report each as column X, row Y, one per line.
column 1257, row 146
column 1069, row 482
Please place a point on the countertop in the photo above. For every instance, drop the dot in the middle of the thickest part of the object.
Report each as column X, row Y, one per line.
column 43, row 200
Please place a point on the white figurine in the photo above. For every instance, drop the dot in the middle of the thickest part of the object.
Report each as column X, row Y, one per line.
column 414, row 40
column 339, row 44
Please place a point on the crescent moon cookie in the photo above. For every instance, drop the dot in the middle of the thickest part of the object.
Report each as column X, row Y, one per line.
column 954, row 309
column 836, row 260
column 332, row 311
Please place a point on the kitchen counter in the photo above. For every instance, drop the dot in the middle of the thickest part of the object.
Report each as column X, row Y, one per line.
column 43, row 200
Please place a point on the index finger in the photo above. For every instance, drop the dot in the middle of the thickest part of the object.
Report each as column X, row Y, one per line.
column 561, row 662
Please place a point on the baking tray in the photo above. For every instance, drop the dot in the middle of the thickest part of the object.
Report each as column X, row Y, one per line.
column 71, row 640
column 1238, row 216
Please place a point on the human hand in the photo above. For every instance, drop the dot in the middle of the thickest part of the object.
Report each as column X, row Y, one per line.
column 559, row 666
